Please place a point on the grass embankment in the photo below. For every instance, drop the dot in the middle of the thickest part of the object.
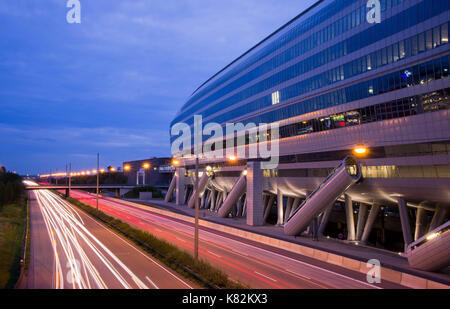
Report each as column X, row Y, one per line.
column 180, row 261
column 12, row 225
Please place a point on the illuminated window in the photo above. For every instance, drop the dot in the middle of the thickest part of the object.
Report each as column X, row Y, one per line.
column 275, row 98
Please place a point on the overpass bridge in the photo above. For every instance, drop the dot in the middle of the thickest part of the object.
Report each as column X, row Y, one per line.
column 119, row 189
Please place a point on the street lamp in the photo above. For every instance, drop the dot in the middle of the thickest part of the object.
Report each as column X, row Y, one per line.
column 98, row 175
column 146, row 166
column 196, row 209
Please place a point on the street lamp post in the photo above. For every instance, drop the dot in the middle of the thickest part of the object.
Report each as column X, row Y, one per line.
column 70, row 177
column 196, row 209
column 98, row 175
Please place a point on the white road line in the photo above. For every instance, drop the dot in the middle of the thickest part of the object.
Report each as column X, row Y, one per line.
column 138, row 250
column 265, row 276
column 216, row 255
column 297, row 274
column 152, row 283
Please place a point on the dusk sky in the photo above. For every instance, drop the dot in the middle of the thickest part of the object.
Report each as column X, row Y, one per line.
column 113, row 83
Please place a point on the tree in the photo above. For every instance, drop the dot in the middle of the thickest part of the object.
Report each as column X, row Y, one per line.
column 2, row 195
column 10, row 195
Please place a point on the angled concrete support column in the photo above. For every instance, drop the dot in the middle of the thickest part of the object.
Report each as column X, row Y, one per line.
column 439, row 217
column 404, row 218
column 173, row 184
column 290, row 203
column 280, row 208
column 295, row 205
column 350, row 218
column 375, row 209
column 180, row 186
column 270, row 203
column 325, row 218
column 421, row 222
column 212, row 198
column 219, row 200
column 362, row 215
column 201, row 189
column 232, row 198
column 255, row 205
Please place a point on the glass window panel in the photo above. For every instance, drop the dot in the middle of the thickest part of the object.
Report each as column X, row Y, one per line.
column 444, row 34
column 396, row 52
column 429, row 39
column 421, row 42
column 414, row 46
column 436, row 37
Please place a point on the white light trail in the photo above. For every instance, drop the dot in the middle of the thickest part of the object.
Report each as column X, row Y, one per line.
column 72, row 242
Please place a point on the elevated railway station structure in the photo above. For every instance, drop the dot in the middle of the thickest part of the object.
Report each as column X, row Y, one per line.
column 364, row 129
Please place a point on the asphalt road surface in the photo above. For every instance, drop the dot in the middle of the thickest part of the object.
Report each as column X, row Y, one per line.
column 256, row 265
column 70, row 250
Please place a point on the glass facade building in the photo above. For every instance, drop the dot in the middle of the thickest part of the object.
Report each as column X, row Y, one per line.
column 330, row 56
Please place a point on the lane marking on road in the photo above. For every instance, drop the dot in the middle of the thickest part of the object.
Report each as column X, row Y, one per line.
column 216, row 255
column 182, row 240
column 138, row 250
column 152, row 283
column 297, row 274
column 267, row 277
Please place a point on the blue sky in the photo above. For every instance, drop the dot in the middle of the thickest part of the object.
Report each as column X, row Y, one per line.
column 113, row 83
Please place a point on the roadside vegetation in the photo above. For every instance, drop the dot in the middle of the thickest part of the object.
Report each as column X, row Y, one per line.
column 182, row 262
column 13, row 214
column 156, row 193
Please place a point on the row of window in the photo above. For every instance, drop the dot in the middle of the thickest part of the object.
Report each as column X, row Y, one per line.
column 429, row 102
column 341, row 49
column 422, row 42
column 353, row 19
column 421, row 171
column 300, row 29
column 419, row 74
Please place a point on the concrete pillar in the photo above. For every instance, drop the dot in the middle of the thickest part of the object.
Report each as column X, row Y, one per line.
column 289, row 205
column 229, row 204
column 362, row 215
column 439, row 217
column 350, row 218
column 375, row 209
column 180, row 186
column 325, row 218
column 212, row 198
column 421, row 222
column 224, row 195
column 218, row 200
column 255, row 205
column 173, row 184
column 117, row 191
column 67, row 193
column 280, row 207
column 270, row 203
column 295, row 205
column 404, row 218
column 203, row 182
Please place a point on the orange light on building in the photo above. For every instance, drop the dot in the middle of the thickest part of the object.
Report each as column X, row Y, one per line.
column 360, row 150
column 102, row 171
column 146, row 166
column 112, row 169
column 175, row 162
column 127, row 168
column 232, row 158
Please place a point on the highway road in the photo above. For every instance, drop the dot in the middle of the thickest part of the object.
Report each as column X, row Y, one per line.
column 258, row 266
column 70, row 250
